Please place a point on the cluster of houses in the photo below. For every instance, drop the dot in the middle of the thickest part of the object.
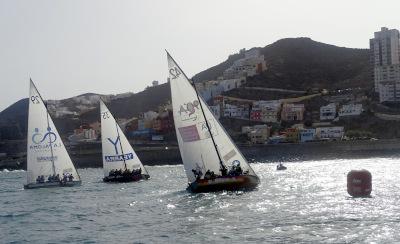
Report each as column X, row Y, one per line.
column 277, row 111
column 251, row 64
column 261, row 134
column 149, row 126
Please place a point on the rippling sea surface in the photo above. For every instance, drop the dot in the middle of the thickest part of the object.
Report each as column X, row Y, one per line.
column 307, row 203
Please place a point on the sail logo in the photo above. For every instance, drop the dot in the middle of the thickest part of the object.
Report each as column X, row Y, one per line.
column 114, row 143
column 174, row 72
column 38, row 138
column 187, row 111
column 117, row 157
column 44, row 141
column 205, row 132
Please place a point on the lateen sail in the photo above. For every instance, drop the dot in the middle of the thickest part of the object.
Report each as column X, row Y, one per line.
column 46, row 153
column 117, row 152
column 195, row 144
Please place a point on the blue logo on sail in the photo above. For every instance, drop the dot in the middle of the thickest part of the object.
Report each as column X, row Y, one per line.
column 38, row 138
column 44, row 141
column 117, row 157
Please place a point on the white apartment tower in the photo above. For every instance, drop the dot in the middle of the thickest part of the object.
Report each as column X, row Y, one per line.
column 385, row 58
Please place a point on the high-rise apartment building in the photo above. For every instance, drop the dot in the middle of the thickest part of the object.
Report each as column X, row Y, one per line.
column 385, row 58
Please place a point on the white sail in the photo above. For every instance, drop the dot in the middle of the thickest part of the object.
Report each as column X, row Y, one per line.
column 46, row 153
column 195, row 143
column 117, row 152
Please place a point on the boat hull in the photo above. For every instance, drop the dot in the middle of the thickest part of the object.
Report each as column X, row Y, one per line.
column 122, row 178
column 227, row 183
column 52, row 184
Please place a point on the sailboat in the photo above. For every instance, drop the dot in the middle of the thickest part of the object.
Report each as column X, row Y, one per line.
column 48, row 162
column 120, row 162
column 212, row 161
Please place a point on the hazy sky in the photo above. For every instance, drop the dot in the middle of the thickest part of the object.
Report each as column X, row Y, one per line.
column 70, row 47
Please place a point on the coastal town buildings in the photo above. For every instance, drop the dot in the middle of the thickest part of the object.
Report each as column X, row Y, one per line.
column 269, row 110
column 350, row 110
column 253, row 63
column 307, row 135
column 292, row 112
column 328, row 112
column 334, row 132
column 291, row 134
column 83, row 134
column 212, row 88
column 164, row 123
column 385, row 58
column 246, row 129
column 255, row 115
column 236, row 111
column 258, row 134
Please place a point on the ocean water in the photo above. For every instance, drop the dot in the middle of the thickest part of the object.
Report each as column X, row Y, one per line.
column 307, row 203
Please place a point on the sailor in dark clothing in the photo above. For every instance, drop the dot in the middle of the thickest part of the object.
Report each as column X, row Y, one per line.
column 70, row 177
column 236, row 170
column 209, row 175
column 64, row 179
column 224, row 171
column 197, row 173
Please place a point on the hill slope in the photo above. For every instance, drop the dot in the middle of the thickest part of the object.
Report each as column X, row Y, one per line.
column 293, row 63
column 14, row 119
column 301, row 63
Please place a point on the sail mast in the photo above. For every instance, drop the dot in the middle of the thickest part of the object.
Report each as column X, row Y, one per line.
column 51, row 146
column 223, row 167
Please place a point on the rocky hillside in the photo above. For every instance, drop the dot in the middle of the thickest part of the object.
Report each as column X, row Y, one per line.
column 69, row 113
column 301, row 63
column 293, row 63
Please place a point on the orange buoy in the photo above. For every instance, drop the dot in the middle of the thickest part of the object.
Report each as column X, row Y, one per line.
column 359, row 183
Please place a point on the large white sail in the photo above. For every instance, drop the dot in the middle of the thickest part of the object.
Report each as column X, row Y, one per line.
column 46, row 153
column 195, row 143
column 117, row 152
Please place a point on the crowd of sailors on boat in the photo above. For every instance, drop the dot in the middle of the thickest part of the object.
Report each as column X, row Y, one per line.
column 55, row 178
column 235, row 170
column 124, row 173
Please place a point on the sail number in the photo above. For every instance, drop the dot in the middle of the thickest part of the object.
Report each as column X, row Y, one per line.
column 35, row 99
column 105, row 115
column 174, row 72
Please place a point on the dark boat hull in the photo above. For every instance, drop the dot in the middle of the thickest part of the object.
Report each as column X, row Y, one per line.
column 128, row 178
column 52, row 184
column 281, row 168
column 227, row 183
